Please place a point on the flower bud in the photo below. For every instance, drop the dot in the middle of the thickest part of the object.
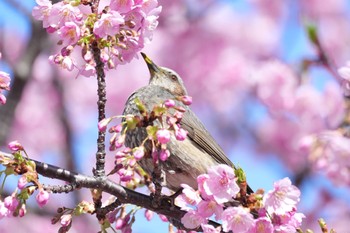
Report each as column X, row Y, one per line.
column 102, row 125
column 164, row 155
column 66, row 219
column 11, row 203
column 22, row 211
column 180, row 134
column 15, row 146
column 139, row 153
column 42, row 198
column 186, row 100
column 163, row 136
column 169, row 103
column 22, row 182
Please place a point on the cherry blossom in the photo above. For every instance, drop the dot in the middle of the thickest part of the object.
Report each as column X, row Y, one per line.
column 4, row 85
column 192, row 219
column 262, row 224
column 237, row 219
column 283, row 198
column 221, row 183
column 69, row 33
column 108, row 24
column 344, row 72
column 130, row 23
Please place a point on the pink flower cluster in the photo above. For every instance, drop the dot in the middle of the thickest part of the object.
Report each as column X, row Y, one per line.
column 121, row 29
column 294, row 106
column 123, row 222
column 4, row 84
column 334, row 160
column 14, row 206
column 344, row 73
column 9, row 206
column 276, row 211
column 125, row 165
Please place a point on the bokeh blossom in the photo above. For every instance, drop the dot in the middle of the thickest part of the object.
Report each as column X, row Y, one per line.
column 4, row 84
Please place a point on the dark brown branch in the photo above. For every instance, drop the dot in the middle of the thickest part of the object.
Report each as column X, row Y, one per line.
column 101, row 103
column 99, row 171
column 104, row 184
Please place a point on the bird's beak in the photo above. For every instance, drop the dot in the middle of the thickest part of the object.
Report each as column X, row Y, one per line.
column 153, row 68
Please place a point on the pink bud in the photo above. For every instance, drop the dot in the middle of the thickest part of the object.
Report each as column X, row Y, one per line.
column 169, row 103
column 66, row 51
column 125, row 174
column 102, row 125
column 122, row 222
column 163, row 218
column 149, row 215
column 171, row 120
column 104, row 56
column 180, row 134
column 22, row 182
column 164, row 155
column 186, row 100
column 66, row 219
column 2, row 99
column 119, row 223
column 88, row 56
column 15, row 146
column 120, row 154
column 116, row 128
column 11, row 203
column 139, row 153
column 42, row 198
column 163, row 136
column 120, row 141
column 22, row 211
column 178, row 115
column 50, row 29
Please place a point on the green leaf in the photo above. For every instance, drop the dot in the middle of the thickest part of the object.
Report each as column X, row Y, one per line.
column 140, row 106
column 159, row 110
column 131, row 121
column 18, row 157
column 240, row 175
column 151, row 131
column 312, row 32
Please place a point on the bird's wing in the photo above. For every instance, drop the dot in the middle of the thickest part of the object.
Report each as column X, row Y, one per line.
column 204, row 141
column 202, row 138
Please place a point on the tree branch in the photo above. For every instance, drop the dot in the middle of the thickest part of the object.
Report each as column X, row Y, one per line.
column 124, row 195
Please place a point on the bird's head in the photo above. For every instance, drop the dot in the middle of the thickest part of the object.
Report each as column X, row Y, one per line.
column 165, row 77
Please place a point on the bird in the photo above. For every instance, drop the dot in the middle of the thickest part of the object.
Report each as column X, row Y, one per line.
column 189, row 158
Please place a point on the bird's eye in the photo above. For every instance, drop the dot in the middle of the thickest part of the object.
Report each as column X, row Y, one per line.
column 173, row 77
